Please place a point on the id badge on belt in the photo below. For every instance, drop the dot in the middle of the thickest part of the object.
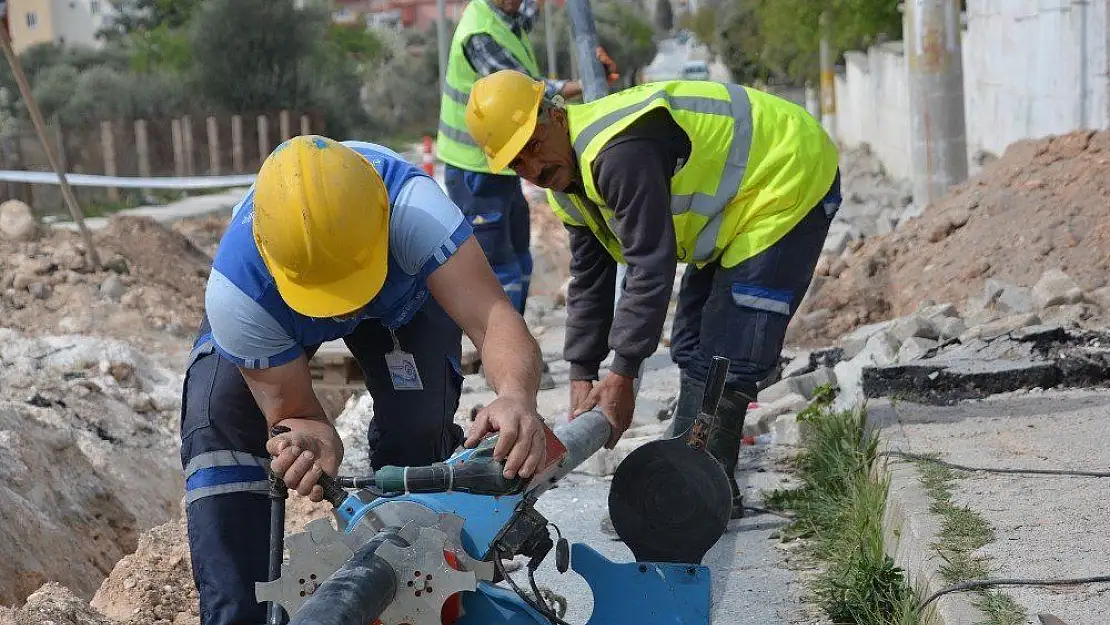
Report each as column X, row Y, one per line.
column 402, row 368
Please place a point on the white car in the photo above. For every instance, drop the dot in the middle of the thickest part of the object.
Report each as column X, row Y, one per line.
column 695, row 70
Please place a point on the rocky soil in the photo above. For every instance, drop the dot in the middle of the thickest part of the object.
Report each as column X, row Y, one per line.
column 88, row 458
column 1043, row 205
column 150, row 290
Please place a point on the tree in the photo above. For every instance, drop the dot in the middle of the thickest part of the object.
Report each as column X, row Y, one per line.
column 757, row 38
column 664, row 16
column 138, row 16
column 252, row 55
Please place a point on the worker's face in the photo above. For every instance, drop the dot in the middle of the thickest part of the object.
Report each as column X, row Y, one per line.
column 547, row 160
column 510, row 7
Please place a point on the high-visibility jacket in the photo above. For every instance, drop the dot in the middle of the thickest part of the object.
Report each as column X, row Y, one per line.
column 454, row 145
column 757, row 165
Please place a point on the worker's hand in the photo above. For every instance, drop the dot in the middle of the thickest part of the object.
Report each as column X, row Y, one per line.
column 616, row 397
column 612, row 74
column 520, row 438
column 309, row 448
column 579, row 391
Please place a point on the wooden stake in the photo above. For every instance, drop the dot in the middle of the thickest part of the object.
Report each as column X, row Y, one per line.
column 108, row 147
column 237, row 143
column 263, row 139
column 285, row 126
column 40, row 129
column 178, row 148
column 213, row 146
column 142, row 148
column 306, row 125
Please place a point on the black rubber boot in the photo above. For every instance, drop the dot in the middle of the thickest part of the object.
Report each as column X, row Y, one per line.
column 725, row 439
column 690, row 394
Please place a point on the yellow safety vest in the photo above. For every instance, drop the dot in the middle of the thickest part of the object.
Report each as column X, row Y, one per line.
column 454, row 145
column 757, row 165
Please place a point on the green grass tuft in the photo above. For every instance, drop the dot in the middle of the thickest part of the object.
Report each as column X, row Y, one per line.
column 839, row 508
column 963, row 531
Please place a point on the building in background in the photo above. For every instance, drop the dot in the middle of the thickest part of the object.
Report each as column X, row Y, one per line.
column 417, row 14
column 74, row 22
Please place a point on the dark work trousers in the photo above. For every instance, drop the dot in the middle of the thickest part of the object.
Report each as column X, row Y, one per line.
column 742, row 312
column 223, row 436
column 495, row 206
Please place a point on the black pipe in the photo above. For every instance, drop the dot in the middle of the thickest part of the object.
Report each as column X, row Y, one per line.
column 278, row 495
column 357, row 593
column 279, row 492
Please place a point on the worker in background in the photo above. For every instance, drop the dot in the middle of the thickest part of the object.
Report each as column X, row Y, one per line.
column 739, row 184
column 337, row 241
column 492, row 35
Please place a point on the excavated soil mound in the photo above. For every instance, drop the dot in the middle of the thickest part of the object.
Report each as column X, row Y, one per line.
column 152, row 283
column 1044, row 205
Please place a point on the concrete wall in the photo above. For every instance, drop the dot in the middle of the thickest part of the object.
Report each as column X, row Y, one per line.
column 1032, row 68
column 872, row 105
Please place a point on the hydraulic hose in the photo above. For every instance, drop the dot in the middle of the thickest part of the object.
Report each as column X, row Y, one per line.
column 358, row 592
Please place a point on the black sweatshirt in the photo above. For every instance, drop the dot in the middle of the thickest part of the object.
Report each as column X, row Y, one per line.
column 633, row 174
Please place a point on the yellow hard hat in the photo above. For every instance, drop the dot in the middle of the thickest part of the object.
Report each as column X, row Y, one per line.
column 501, row 114
column 321, row 223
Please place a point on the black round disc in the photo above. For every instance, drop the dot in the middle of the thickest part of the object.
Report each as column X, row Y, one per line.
column 670, row 502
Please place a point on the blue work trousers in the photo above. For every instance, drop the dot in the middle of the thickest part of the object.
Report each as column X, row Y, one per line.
column 495, row 206
column 742, row 312
column 223, row 453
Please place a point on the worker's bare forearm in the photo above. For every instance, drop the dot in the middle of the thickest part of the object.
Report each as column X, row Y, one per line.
column 285, row 392
column 510, row 355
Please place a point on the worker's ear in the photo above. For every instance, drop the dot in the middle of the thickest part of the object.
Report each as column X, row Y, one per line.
column 559, row 118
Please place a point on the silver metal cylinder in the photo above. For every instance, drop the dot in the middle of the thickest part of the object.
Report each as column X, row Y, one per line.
column 582, row 437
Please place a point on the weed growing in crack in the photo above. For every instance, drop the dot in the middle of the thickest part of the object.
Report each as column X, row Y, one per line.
column 839, row 509
column 963, row 531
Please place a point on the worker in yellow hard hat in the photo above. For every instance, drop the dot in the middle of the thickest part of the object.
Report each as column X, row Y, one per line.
column 738, row 184
column 492, row 35
column 337, row 241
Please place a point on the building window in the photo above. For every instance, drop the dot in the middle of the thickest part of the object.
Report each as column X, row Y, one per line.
column 94, row 7
column 32, row 20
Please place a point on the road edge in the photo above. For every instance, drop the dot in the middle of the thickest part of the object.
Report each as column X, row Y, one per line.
column 910, row 529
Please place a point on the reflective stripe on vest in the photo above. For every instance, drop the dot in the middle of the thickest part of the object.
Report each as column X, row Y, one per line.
column 454, row 145
column 710, row 206
column 757, row 165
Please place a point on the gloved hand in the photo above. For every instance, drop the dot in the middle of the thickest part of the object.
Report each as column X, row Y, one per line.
column 612, row 74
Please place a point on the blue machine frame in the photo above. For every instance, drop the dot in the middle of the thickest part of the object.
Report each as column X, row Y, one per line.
column 632, row 593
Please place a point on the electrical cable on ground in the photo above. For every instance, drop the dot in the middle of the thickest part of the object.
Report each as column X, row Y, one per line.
column 1005, row 470
column 990, row 583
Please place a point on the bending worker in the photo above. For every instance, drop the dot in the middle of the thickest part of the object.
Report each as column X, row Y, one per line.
column 337, row 240
column 492, row 35
column 739, row 184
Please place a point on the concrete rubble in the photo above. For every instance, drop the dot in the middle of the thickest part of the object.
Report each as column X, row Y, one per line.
column 934, row 356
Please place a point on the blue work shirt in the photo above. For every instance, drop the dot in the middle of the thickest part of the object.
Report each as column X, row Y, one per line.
column 250, row 323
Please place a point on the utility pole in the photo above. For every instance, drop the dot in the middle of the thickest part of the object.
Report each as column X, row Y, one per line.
column 594, row 85
column 938, row 144
column 549, row 37
column 828, row 78
column 441, row 39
